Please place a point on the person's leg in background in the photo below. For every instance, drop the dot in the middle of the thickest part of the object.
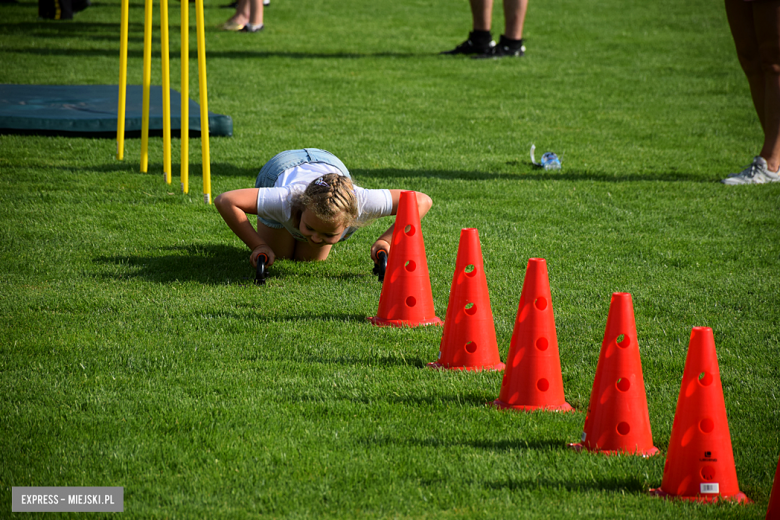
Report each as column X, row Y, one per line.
column 479, row 40
column 511, row 42
column 755, row 27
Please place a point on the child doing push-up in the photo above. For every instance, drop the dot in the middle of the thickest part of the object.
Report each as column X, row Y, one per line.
column 305, row 202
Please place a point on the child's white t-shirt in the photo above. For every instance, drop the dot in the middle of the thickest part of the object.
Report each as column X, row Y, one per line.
column 276, row 203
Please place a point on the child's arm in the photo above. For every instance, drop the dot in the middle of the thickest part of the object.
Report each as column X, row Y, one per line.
column 234, row 206
column 424, row 203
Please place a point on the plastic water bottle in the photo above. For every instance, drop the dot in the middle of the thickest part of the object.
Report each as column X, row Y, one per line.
column 550, row 161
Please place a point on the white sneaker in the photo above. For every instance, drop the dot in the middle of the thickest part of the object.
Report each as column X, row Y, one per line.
column 756, row 173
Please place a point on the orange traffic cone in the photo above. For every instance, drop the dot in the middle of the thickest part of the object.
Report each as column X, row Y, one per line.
column 406, row 299
column 773, row 511
column 469, row 339
column 533, row 378
column 617, row 419
column 700, row 462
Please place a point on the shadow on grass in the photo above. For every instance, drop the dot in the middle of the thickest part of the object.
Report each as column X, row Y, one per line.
column 156, row 169
column 222, row 169
column 277, row 318
column 505, row 445
column 536, row 175
column 473, row 399
column 111, row 134
column 384, row 361
column 203, row 263
column 385, row 174
column 573, row 482
column 220, row 264
column 242, row 55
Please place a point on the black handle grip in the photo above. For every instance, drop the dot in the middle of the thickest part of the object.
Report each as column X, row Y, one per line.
column 262, row 259
column 381, row 265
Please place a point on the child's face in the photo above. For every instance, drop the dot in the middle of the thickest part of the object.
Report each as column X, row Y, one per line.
column 317, row 231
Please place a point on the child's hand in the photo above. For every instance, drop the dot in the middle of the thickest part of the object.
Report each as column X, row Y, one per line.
column 378, row 246
column 262, row 250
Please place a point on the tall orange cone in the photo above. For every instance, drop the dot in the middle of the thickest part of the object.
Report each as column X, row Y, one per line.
column 773, row 511
column 406, row 299
column 700, row 462
column 469, row 339
column 617, row 419
column 533, row 378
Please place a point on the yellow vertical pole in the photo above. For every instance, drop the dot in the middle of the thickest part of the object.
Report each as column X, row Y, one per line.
column 166, row 91
column 120, row 116
column 204, row 104
column 185, row 97
column 147, row 80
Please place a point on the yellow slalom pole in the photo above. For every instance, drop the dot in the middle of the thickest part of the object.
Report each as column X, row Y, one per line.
column 204, row 104
column 147, row 80
column 120, row 115
column 166, row 88
column 185, row 97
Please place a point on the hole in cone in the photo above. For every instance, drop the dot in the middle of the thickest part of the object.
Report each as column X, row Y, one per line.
column 705, row 379
column 410, row 266
column 470, row 309
column 409, row 230
column 623, row 384
column 623, row 428
column 543, row 385
column 471, row 347
column 707, row 473
column 706, row 425
column 541, row 303
column 470, row 270
column 623, row 341
column 411, row 301
column 542, row 344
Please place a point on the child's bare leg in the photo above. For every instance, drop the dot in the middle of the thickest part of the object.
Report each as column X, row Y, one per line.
column 481, row 14
column 767, row 24
column 241, row 16
column 514, row 18
column 307, row 252
column 754, row 26
column 256, row 12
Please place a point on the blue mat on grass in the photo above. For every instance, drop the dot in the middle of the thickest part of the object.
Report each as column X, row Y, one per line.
column 92, row 110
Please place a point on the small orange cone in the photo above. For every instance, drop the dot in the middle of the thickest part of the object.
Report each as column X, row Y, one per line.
column 617, row 419
column 533, row 378
column 773, row 511
column 469, row 339
column 406, row 299
column 700, row 462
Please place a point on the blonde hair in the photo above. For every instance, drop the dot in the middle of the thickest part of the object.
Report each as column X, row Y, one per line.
column 331, row 198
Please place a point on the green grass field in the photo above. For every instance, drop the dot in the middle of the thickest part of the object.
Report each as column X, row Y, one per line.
column 136, row 351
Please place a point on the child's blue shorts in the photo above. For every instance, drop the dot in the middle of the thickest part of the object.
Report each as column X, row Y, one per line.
column 290, row 159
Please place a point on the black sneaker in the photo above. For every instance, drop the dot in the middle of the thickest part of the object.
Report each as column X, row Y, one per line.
column 472, row 46
column 504, row 49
